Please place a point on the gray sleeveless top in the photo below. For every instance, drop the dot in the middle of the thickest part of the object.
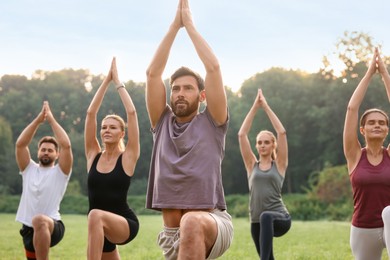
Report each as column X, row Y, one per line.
column 265, row 191
column 185, row 168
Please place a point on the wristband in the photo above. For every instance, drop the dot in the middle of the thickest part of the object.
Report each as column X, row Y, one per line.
column 122, row 85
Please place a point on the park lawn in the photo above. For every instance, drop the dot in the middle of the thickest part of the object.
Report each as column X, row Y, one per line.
column 305, row 240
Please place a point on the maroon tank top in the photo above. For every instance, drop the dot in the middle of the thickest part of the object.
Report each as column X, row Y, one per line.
column 371, row 191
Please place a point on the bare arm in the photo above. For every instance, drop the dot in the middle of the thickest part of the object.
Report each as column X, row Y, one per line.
column 22, row 152
column 132, row 149
column 65, row 159
column 384, row 74
column 91, row 143
column 282, row 151
column 215, row 91
column 155, row 89
column 247, row 154
column 351, row 144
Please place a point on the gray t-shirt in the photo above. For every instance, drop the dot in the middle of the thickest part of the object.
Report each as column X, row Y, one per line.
column 265, row 191
column 185, row 169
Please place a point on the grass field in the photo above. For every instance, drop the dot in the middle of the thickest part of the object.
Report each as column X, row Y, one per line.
column 305, row 240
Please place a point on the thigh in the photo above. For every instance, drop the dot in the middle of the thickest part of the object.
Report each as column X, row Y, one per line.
column 366, row 243
column 224, row 233
column 116, row 228
column 58, row 232
column 282, row 224
column 27, row 234
column 195, row 220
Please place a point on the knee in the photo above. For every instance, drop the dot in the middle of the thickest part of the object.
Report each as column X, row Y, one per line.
column 191, row 222
column 40, row 222
column 94, row 218
column 386, row 214
column 265, row 218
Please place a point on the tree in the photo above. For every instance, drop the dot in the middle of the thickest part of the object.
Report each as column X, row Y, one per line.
column 8, row 174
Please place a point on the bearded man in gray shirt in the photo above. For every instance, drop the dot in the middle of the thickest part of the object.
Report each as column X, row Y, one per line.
column 185, row 181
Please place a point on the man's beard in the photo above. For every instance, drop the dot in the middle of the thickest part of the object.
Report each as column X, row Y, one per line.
column 45, row 160
column 185, row 111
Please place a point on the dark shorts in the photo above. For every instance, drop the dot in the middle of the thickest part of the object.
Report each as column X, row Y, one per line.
column 133, row 227
column 27, row 234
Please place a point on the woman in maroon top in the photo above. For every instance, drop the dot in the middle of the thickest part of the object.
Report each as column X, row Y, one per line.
column 369, row 169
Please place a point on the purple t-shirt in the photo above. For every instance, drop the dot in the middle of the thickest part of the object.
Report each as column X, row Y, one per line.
column 185, row 169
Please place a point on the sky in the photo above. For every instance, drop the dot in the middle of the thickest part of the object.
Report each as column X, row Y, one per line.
column 247, row 36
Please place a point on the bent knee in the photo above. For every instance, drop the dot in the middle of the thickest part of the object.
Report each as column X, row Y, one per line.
column 190, row 219
column 196, row 222
column 95, row 216
column 265, row 217
column 386, row 214
column 40, row 220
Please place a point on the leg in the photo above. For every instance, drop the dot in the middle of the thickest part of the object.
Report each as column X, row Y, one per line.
column 386, row 227
column 198, row 232
column 272, row 224
column 114, row 255
column 225, row 233
column 43, row 228
column 168, row 240
column 27, row 234
column 255, row 232
column 366, row 243
column 103, row 224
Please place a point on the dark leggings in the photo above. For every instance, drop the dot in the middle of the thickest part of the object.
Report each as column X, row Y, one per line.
column 272, row 224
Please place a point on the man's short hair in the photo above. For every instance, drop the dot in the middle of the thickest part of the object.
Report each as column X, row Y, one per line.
column 48, row 139
column 184, row 71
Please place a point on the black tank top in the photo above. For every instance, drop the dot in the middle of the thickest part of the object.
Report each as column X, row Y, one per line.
column 108, row 191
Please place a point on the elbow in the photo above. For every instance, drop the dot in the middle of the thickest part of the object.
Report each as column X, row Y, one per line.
column 91, row 113
column 66, row 146
column 131, row 112
column 241, row 135
column 351, row 108
column 151, row 73
column 213, row 67
column 19, row 144
column 282, row 133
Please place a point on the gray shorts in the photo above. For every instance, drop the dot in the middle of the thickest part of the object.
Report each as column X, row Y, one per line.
column 169, row 238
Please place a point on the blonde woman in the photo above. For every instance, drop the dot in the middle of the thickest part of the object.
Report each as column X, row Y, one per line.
column 110, row 168
column 268, row 215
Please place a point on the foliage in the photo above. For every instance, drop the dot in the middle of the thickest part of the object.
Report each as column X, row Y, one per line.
column 300, row 206
column 331, row 185
column 311, row 107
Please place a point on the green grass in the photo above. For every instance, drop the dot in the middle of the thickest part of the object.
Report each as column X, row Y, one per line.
column 305, row 240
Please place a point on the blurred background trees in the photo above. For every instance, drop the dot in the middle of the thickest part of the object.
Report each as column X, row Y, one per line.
column 311, row 106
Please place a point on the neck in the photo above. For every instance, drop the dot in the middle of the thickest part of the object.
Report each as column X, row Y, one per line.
column 265, row 159
column 111, row 151
column 374, row 149
column 184, row 119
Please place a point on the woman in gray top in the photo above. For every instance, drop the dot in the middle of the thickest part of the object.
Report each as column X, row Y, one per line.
column 269, row 216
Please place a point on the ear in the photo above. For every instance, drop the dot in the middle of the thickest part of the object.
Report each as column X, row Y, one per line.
column 58, row 155
column 202, row 96
column 362, row 130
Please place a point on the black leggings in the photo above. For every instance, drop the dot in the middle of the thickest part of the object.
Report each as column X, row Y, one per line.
column 272, row 224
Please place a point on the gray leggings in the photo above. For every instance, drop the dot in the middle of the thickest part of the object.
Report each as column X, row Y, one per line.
column 368, row 243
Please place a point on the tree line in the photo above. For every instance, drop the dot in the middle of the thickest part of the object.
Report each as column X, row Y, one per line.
column 311, row 106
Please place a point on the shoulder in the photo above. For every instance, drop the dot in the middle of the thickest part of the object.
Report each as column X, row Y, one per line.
column 206, row 114
column 59, row 172
column 31, row 165
column 164, row 118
